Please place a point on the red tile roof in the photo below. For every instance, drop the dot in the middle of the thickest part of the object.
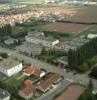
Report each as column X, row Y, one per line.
column 29, row 89
column 54, row 77
column 44, row 84
column 33, row 70
column 28, row 82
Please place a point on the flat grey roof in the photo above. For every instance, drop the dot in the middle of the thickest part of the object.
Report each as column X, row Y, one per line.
column 63, row 60
column 76, row 43
column 3, row 94
column 40, row 36
column 8, row 63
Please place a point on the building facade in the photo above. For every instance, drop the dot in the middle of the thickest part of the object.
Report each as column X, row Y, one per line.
column 9, row 67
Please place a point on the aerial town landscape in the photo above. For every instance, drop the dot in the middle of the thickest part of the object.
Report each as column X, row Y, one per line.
column 48, row 49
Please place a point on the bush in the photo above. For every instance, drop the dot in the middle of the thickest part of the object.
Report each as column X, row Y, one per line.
column 4, row 55
column 87, row 95
column 94, row 72
column 83, row 67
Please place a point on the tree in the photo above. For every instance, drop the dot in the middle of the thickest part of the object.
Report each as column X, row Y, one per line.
column 83, row 67
column 87, row 95
column 94, row 72
column 90, row 85
column 43, row 51
column 31, row 54
column 4, row 55
column 5, row 30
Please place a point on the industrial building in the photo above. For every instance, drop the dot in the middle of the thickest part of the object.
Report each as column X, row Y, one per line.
column 39, row 38
column 75, row 43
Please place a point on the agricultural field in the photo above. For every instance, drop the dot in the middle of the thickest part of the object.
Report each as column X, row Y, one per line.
column 65, row 27
column 77, row 14
column 85, row 14
column 59, row 10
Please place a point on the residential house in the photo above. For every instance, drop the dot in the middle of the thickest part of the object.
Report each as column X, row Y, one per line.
column 27, row 92
column 32, row 70
column 45, row 85
column 91, row 36
column 28, row 82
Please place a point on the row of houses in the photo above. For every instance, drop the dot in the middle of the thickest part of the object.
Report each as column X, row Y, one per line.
column 43, row 85
column 10, row 67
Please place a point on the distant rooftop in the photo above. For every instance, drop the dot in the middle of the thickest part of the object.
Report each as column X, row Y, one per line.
column 76, row 43
column 39, row 35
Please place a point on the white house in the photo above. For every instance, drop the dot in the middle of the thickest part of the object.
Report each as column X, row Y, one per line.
column 91, row 36
column 55, row 42
column 4, row 95
column 10, row 67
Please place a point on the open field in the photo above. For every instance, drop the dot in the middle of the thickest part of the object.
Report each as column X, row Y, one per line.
column 85, row 14
column 17, row 30
column 64, row 27
column 80, row 14
column 59, row 10
column 72, row 92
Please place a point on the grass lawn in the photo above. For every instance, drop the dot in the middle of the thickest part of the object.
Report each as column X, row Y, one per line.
column 17, row 30
column 88, row 64
column 49, row 30
column 92, row 61
column 16, row 82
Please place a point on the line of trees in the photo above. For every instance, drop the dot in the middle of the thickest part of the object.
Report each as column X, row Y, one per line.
column 78, row 56
column 5, row 30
